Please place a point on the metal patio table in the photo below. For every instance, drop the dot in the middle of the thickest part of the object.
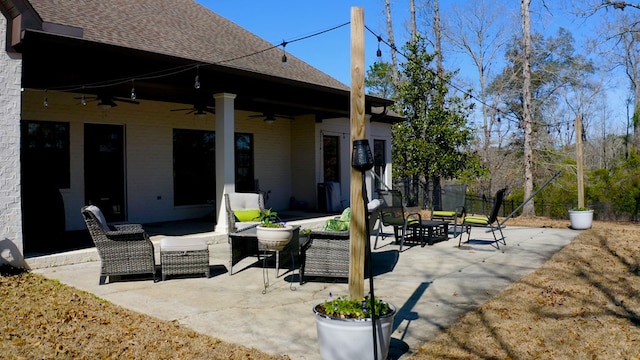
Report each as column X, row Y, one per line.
column 430, row 230
column 244, row 243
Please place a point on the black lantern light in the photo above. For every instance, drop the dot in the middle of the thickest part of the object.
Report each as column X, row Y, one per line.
column 361, row 158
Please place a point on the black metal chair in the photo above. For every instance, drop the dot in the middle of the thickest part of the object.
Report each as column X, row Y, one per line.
column 123, row 249
column 452, row 207
column 393, row 213
column 483, row 221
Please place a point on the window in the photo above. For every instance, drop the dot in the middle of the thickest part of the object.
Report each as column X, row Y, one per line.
column 45, row 154
column 379, row 162
column 245, row 181
column 330, row 155
column 194, row 174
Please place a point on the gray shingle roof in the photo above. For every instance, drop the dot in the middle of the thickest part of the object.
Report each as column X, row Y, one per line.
column 180, row 28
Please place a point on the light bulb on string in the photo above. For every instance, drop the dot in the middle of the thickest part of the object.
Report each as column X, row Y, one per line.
column 284, row 53
column 196, row 83
column 133, row 89
column 83, row 98
column 379, row 52
column 45, row 102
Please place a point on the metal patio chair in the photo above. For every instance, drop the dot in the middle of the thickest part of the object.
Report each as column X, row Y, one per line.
column 452, row 207
column 393, row 213
column 488, row 222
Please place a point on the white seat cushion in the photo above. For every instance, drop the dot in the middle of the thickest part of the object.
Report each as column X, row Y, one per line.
column 183, row 244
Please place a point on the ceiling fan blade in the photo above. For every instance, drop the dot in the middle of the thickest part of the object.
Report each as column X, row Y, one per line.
column 269, row 115
column 126, row 100
column 107, row 102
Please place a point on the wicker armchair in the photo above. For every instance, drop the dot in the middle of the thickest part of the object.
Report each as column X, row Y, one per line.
column 325, row 254
column 123, row 249
column 243, row 210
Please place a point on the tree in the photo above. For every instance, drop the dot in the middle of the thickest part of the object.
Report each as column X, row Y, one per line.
column 554, row 67
column 528, row 209
column 623, row 35
column 432, row 142
column 379, row 80
column 394, row 57
column 475, row 31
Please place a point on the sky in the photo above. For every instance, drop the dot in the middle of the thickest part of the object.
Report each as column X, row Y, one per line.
column 285, row 20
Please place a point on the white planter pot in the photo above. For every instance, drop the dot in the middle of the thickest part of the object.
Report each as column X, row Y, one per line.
column 348, row 339
column 274, row 238
column 581, row 220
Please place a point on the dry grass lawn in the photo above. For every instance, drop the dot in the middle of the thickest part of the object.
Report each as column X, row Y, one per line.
column 584, row 303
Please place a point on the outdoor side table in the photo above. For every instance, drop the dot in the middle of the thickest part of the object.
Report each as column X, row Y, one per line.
column 179, row 256
column 244, row 243
column 430, row 230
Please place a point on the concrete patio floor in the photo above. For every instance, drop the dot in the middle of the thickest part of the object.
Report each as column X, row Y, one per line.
column 431, row 287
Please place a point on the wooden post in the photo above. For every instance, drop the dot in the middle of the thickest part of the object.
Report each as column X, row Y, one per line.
column 579, row 162
column 357, row 226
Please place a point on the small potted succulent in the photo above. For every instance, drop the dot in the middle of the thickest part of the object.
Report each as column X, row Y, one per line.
column 345, row 329
column 273, row 233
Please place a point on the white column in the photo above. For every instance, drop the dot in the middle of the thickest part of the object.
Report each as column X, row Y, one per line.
column 225, row 157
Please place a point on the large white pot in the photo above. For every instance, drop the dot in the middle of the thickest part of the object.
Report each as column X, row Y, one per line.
column 581, row 219
column 274, row 238
column 349, row 339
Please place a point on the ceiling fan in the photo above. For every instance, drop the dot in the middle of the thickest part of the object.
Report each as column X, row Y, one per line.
column 198, row 110
column 270, row 117
column 106, row 101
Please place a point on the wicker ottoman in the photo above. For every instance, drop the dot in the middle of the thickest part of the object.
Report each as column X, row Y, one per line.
column 184, row 256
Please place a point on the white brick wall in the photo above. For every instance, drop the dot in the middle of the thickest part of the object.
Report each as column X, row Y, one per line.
column 11, row 246
column 148, row 133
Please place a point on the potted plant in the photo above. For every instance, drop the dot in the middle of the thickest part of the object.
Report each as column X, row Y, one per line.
column 273, row 233
column 345, row 329
column 581, row 218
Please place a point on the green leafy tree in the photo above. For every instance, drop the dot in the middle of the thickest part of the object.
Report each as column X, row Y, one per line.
column 432, row 142
column 379, row 80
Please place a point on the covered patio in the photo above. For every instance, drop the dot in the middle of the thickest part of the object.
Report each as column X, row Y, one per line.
column 155, row 122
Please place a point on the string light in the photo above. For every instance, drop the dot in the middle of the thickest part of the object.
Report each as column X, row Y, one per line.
column 133, row 89
column 182, row 68
column 394, row 48
column 45, row 102
column 379, row 52
column 196, row 83
column 284, row 53
column 83, row 98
